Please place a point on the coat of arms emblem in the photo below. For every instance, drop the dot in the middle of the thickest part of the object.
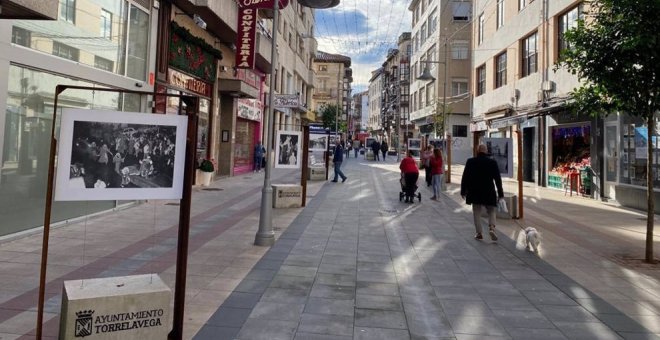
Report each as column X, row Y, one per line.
column 84, row 323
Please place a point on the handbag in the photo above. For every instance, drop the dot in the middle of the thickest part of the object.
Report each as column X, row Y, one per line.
column 501, row 206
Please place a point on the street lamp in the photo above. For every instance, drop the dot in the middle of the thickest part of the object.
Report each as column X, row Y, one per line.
column 427, row 76
column 265, row 235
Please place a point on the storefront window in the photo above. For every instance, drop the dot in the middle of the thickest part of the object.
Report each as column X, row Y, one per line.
column 634, row 152
column 98, row 37
column 25, row 146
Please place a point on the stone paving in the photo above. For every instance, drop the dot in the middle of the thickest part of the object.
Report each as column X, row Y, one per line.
column 358, row 264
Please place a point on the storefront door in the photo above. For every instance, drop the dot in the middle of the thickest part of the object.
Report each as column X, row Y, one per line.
column 611, row 159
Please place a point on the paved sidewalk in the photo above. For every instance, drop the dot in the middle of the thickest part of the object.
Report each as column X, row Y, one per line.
column 358, row 264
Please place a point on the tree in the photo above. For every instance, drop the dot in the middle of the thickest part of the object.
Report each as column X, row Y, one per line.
column 614, row 53
column 328, row 113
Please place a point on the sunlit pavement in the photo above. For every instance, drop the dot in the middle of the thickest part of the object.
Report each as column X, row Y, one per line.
column 358, row 264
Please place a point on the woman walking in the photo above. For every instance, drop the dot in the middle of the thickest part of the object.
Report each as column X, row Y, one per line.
column 437, row 172
column 425, row 159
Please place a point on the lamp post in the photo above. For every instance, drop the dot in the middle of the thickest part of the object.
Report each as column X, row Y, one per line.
column 426, row 75
column 265, row 235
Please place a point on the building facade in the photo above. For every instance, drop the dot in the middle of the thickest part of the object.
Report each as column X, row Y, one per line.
column 395, row 98
column 360, row 111
column 89, row 43
column 374, row 123
column 333, row 81
column 441, row 35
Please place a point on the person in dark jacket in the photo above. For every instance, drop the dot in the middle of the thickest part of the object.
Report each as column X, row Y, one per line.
column 480, row 178
column 337, row 159
column 383, row 148
column 375, row 147
column 410, row 173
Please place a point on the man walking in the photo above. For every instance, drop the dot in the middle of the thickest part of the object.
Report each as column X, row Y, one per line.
column 375, row 148
column 480, row 177
column 384, row 148
column 259, row 151
column 337, row 159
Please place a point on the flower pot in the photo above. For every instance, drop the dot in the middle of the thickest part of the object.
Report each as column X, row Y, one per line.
column 203, row 178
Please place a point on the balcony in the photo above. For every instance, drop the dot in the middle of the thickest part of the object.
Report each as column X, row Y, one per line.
column 220, row 18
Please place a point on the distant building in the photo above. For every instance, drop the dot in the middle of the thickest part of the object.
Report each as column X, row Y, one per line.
column 374, row 124
column 333, row 78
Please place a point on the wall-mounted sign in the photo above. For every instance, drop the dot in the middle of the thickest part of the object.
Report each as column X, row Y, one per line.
column 249, row 109
column 261, row 3
column 246, row 39
column 186, row 82
column 286, row 100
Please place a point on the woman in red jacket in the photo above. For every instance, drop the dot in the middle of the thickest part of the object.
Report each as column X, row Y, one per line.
column 410, row 173
column 437, row 172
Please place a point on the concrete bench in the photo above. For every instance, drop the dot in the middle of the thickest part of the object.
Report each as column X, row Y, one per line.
column 287, row 196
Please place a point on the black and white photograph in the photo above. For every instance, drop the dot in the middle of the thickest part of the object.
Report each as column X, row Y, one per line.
column 107, row 155
column 331, row 139
column 414, row 144
column 287, row 149
column 437, row 143
column 501, row 150
column 318, row 142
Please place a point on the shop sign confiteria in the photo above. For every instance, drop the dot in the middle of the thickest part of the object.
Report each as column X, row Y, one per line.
column 247, row 30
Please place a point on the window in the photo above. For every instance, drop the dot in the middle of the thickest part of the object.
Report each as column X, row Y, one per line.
column 529, row 55
column 433, row 21
column 461, row 11
column 459, row 130
column 138, row 44
column 459, row 87
column 480, row 33
column 323, row 68
column 522, row 4
column 103, row 64
column 68, row 10
column 459, row 49
column 106, row 24
column 422, row 34
column 65, row 51
column 481, row 80
column 500, row 70
column 566, row 22
column 20, row 36
column 500, row 13
column 323, row 84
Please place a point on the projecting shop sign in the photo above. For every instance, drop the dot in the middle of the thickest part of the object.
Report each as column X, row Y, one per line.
column 286, row 100
column 246, row 39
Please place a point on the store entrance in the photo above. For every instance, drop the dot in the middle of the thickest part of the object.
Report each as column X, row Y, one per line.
column 611, row 159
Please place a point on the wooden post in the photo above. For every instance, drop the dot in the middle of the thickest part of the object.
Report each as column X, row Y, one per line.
column 305, row 166
column 520, row 175
column 448, row 174
column 327, row 156
column 184, row 226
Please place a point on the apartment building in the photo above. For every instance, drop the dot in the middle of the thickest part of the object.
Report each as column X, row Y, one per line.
column 396, row 93
column 441, row 40
column 517, row 89
column 360, row 112
column 374, row 122
column 333, row 78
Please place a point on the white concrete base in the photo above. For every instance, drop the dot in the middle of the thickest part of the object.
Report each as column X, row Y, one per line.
column 128, row 307
column 287, row 196
column 316, row 174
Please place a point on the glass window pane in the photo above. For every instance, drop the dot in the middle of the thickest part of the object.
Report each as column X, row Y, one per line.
column 98, row 31
column 138, row 44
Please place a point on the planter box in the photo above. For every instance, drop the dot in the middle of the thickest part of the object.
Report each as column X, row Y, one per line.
column 203, row 178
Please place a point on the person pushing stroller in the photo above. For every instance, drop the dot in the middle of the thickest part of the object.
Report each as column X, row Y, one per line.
column 409, row 176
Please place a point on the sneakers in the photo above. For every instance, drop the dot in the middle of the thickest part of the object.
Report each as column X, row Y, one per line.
column 344, row 179
column 334, row 181
column 492, row 234
column 434, row 198
column 478, row 236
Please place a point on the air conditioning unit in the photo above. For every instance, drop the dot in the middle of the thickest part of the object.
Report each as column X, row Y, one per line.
column 548, row 86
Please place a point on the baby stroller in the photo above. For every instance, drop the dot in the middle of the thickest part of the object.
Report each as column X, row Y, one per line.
column 409, row 188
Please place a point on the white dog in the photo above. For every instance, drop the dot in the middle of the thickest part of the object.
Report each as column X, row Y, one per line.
column 533, row 239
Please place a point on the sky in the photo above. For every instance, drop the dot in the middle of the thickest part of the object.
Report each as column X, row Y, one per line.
column 363, row 30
